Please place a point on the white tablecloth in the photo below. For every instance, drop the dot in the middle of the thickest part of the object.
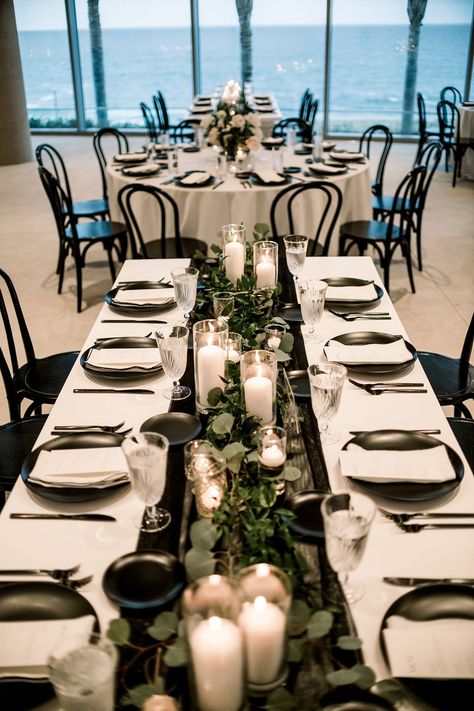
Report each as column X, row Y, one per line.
column 466, row 130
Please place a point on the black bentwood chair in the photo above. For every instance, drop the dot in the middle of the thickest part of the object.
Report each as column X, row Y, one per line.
column 289, row 201
column 39, row 379
column 162, row 113
column 305, row 103
column 386, row 237
column 449, row 128
column 450, row 93
column 452, row 379
column 150, row 123
column 312, row 112
column 164, row 206
column 119, row 141
column 364, row 146
column 302, row 129
column 76, row 239
column 185, row 131
column 424, row 134
column 464, row 432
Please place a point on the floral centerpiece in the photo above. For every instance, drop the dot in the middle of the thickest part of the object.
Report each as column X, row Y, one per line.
column 233, row 126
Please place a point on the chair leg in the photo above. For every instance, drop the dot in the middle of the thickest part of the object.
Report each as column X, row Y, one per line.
column 111, row 263
column 386, row 270
column 61, row 263
column 460, row 409
column 78, row 264
column 409, row 267
column 418, row 240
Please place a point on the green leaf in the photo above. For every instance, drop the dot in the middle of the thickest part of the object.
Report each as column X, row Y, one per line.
column 223, row 423
column 366, row 676
column 198, row 255
column 138, row 695
column 349, row 642
column 215, row 249
column 119, row 631
column 279, row 700
column 298, row 617
column 281, row 356
column 199, row 563
column 261, row 229
column 203, row 534
column 320, row 624
column 341, row 677
column 295, row 649
column 286, row 342
column 176, row 655
column 164, row 626
column 214, row 396
column 279, row 321
column 182, row 628
column 291, row 473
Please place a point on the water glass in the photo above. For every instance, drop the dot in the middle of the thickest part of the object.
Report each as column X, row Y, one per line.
column 290, row 137
column 185, row 289
column 295, row 249
column 221, row 165
column 172, row 342
column 223, row 304
column 312, row 296
column 147, row 458
column 347, row 519
column 326, row 383
column 82, row 672
column 277, row 160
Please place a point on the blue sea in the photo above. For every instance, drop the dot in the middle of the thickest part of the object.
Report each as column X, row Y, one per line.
column 367, row 73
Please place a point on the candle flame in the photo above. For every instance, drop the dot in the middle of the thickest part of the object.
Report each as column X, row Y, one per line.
column 260, row 603
column 215, row 623
column 262, row 570
column 214, row 579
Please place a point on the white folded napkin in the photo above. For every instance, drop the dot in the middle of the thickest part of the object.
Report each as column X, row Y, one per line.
column 140, row 169
column 80, row 467
column 195, row 178
column 143, row 297
column 269, row 176
column 371, row 354
column 437, row 649
column 273, row 139
column 199, row 109
column 328, row 145
column 26, row 646
column 347, row 155
column 118, row 358
column 365, row 292
column 417, row 466
column 130, row 157
column 326, row 169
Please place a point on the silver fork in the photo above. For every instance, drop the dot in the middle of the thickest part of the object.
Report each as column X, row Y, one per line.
column 79, row 583
column 61, row 574
column 417, row 527
column 401, row 518
column 377, row 388
column 102, row 428
column 91, row 430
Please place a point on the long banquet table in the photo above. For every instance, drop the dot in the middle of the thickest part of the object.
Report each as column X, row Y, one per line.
column 390, row 552
column 268, row 115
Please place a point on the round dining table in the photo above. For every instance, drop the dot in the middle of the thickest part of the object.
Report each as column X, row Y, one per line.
column 203, row 210
column 466, row 130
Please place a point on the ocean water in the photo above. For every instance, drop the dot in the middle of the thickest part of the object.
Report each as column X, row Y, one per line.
column 367, row 72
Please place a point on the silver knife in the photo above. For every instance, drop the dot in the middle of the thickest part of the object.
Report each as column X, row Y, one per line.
column 66, row 517
column 127, row 391
column 361, row 432
column 410, row 582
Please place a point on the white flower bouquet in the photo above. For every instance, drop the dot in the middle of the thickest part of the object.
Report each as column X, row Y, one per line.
column 233, row 126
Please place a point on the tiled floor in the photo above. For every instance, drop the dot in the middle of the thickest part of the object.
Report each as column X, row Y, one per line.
column 436, row 317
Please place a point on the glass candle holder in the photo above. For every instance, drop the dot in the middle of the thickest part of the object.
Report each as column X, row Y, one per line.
column 210, row 483
column 271, row 449
column 233, row 250
column 210, row 609
column 196, row 454
column 210, row 350
column 265, row 264
column 273, row 335
column 258, row 375
column 223, row 304
column 265, row 592
column 234, row 347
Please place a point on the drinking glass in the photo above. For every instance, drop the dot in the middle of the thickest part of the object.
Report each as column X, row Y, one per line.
column 295, row 249
column 173, row 344
column 312, row 295
column 347, row 519
column 223, row 303
column 185, row 289
column 277, row 159
column 82, row 673
column 147, row 457
column 326, row 382
column 221, row 165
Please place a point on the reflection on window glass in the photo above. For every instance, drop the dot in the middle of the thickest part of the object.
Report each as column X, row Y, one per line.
column 146, row 47
column 44, row 49
column 220, row 44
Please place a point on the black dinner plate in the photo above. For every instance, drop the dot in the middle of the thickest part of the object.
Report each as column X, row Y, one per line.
column 433, row 602
column 363, row 338
column 263, row 109
column 137, row 308
column 144, row 579
column 177, row 427
column 135, row 172
column 290, row 312
column 179, row 180
column 401, row 440
column 292, row 169
column 302, row 151
column 20, row 602
column 133, row 372
column 308, row 522
column 135, row 157
column 352, row 305
column 322, row 169
column 71, row 494
column 300, row 383
column 255, row 178
column 270, row 143
column 191, row 149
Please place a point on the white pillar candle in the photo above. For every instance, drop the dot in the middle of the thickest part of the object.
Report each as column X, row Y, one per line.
column 211, row 367
column 233, row 355
column 272, row 456
column 264, row 627
column 234, row 262
column 258, row 392
column 217, row 652
column 265, row 272
column 274, row 342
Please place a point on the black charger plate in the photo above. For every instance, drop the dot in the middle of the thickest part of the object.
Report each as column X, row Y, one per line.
column 363, row 338
column 177, row 427
column 71, row 494
column 179, row 180
column 290, row 312
column 21, row 602
column 133, row 373
column 137, row 308
column 352, row 305
column 308, row 521
column 254, row 177
column 134, row 172
column 300, row 382
column 434, row 602
column 401, row 440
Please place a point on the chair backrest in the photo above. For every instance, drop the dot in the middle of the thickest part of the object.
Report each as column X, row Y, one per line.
column 304, row 104
column 150, row 123
column 365, row 145
column 430, row 157
column 420, row 102
column 121, row 146
column 48, row 157
column 311, row 115
column 448, row 117
column 407, row 195
column 290, row 201
column 164, row 111
column 160, row 119
column 60, row 202
column 302, row 128
column 10, row 390
column 450, row 93
column 131, row 201
column 185, row 131
column 466, row 352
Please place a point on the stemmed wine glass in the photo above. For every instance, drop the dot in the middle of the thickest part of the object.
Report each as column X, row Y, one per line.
column 347, row 519
column 185, row 289
column 173, row 344
column 295, row 248
column 326, row 382
column 312, row 296
column 147, row 458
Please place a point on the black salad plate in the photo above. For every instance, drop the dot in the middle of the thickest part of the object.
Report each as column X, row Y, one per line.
column 177, row 427
column 130, row 307
column 144, row 579
column 191, row 149
column 290, row 312
column 133, row 372
column 263, row 109
column 179, row 180
column 434, row 602
column 292, row 169
column 401, row 440
column 352, row 305
column 363, row 338
column 72, row 494
column 327, row 169
column 21, row 602
column 306, row 506
column 302, row 151
column 255, row 178
column 135, row 157
column 299, row 382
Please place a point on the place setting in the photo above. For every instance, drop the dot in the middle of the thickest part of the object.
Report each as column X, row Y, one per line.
column 371, row 353
column 348, row 294
column 141, row 298
column 122, row 358
column 194, row 179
